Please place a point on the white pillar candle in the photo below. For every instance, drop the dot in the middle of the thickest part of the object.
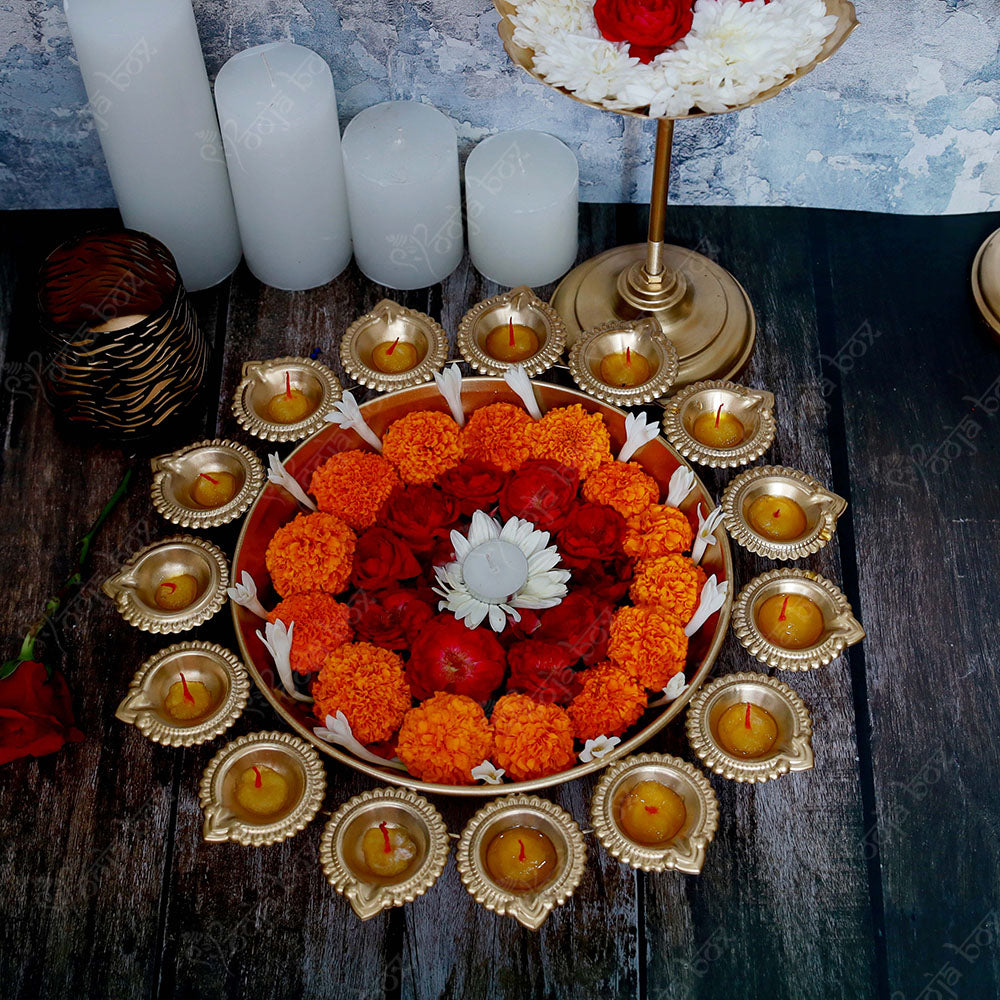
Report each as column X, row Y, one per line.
column 521, row 189
column 145, row 77
column 278, row 113
column 401, row 160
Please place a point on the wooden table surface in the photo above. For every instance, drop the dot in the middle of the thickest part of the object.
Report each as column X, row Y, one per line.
column 877, row 874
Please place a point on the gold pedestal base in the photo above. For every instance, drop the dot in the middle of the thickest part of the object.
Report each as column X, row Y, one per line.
column 711, row 322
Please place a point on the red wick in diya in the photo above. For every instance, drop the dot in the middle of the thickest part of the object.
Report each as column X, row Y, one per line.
column 171, row 585
column 187, row 694
column 784, row 604
column 777, row 513
column 257, row 781
column 521, row 856
column 512, row 331
column 718, row 414
column 387, row 353
column 288, row 386
column 652, row 810
column 385, row 837
column 746, row 721
column 205, row 475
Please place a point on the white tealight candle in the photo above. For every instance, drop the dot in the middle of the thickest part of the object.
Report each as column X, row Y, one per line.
column 521, row 189
column 495, row 570
column 278, row 112
column 145, row 77
column 401, row 159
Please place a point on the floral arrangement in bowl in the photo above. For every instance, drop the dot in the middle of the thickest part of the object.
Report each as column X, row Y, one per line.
column 496, row 599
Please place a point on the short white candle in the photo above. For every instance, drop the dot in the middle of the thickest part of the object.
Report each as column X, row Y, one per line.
column 522, row 191
column 145, row 76
column 402, row 189
column 278, row 113
column 495, row 570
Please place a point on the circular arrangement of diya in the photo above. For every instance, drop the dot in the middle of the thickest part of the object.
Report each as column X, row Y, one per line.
column 392, row 347
column 207, row 484
column 284, row 399
column 514, row 328
column 720, row 424
column 186, row 694
column 780, row 513
column 171, row 585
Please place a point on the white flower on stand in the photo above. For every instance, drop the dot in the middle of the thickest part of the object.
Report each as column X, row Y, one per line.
column 449, row 383
column 277, row 638
column 676, row 686
column 517, row 378
column 280, row 476
column 705, row 534
column 637, row 433
column 338, row 730
column 713, row 596
column 347, row 414
column 245, row 595
column 599, row 748
column 488, row 773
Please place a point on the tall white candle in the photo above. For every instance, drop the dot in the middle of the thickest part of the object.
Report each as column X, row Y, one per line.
column 521, row 189
column 402, row 189
column 145, row 76
column 278, row 113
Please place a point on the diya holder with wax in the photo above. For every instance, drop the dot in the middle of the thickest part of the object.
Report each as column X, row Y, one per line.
column 794, row 619
column 750, row 727
column 186, row 694
column 171, row 585
column 393, row 347
column 284, row 399
column 780, row 513
column 207, row 484
column 261, row 788
column 384, row 848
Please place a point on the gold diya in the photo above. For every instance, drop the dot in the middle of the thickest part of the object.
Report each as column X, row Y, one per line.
column 393, row 347
column 794, row 619
column 720, row 424
column 624, row 363
column 514, row 328
column 261, row 788
column 780, row 513
column 207, row 484
column 986, row 281
column 170, row 586
column 186, row 694
column 682, row 843
column 374, row 877
column 777, row 729
column 548, row 843
column 284, row 399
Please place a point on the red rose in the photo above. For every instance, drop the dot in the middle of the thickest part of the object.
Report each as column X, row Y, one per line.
column 608, row 580
column 448, row 656
column 442, row 553
column 579, row 624
column 541, row 492
column 592, row 531
column 391, row 620
column 36, row 715
column 381, row 560
column 649, row 26
column 420, row 515
column 476, row 485
column 542, row 670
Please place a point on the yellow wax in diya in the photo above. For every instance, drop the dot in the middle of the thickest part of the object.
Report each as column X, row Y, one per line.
column 261, row 790
column 719, row 429
column 652, row 813
column 790, row 621
column 625, row 369
column 747, row 730
column 213, row 489
column 780, row 518
column 397, row 356
column 521, row 859
column 514, row 342
column 176, row 592
column 290, row 406
column 388, row 850
column 187, row 700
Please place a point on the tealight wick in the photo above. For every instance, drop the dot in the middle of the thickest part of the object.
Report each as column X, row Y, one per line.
column 511, row 331
column 170, row 584
column 746, row 721
column 187, row 693
column 777, row 513
column 288, row 386
column 628, row 356
column 784, row 604
column 652, row 810
column 257, row 780
column 391, row 349
column 385, row 837
column 521, row 856
column 718, row 414
column 205, row 475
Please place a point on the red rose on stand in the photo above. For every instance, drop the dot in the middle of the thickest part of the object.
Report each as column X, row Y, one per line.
column 542, row 670
column 592, row 531
column 36, row 715
column 579, row 624
column 381, row 560
column 420, row 515
column 392, row 621
column 475, row 485
column 447, row 656
column 649, row 26
column 541, row 492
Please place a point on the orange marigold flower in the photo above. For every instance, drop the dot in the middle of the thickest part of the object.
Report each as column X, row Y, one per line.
column 321, row 625
column 571, row 435
column 648, row 642
column 622, row 485
column 671, row 582
column 531, row 740
column 422, row 445
column 313, row 552
column 495, row 434
column 368, row 685
column 444, row 738
column 611, row 700
column 657, row 531
column 354, row 485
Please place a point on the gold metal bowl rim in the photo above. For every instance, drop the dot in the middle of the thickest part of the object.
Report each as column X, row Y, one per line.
column 987, row 292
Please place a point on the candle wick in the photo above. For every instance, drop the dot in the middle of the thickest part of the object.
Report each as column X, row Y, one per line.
column 391, row 349
column 263, row 59
column 652, row 810
column 784, row 605
column 288, row 386
column 628, row 356
column 205, row 475
column 169, row 586
column 777, row 513
column 746, row 721
column 521, row 856
column 385, row 837
column 512, row 331
column 187, row 694
column 718, row 414
column 257, row 780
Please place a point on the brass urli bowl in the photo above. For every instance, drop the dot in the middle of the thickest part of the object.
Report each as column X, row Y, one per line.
column 274, row 508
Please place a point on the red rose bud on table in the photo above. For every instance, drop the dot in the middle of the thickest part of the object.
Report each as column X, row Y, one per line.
column 592, row 531
column 381, row 560
column 543, row 671
column 475, row 485
column 392, row 621
column 36, row 715
column 448, row 656
column 649, row 26
column 420, row 515
column 541, row 492
column 579, row 625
